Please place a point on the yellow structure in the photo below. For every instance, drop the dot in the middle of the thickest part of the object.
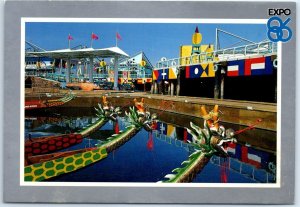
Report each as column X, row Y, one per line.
column 185, row 52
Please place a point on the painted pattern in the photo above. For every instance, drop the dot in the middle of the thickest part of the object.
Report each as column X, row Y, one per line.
column 49, row 169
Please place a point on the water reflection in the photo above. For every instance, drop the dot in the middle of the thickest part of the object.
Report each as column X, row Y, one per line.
column 153, row 155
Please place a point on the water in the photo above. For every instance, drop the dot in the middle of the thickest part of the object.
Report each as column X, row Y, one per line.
column 148, row 158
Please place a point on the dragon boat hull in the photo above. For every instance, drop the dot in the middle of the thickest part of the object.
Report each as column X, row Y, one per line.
column 62, row 165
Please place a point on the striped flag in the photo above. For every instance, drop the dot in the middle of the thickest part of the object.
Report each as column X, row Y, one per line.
column 235, row 68
column 258, row 66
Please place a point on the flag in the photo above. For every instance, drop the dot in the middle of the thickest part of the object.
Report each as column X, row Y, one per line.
column 258, row 66
column 207, row 70
column 155, row 74
column 118, row 36
column 192, row 71
column 70, row 37
column 171, row 131
column 235, row 68
column 94, row 36
column 160, row 74
column 173, row 73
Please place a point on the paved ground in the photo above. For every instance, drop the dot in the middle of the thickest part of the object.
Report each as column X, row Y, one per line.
column 259, row 106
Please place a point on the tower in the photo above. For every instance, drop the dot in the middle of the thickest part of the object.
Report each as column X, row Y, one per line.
column 196, row 40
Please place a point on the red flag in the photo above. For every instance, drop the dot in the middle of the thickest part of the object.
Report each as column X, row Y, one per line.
column 70, row 37
column 94, row 36
column 118, row 36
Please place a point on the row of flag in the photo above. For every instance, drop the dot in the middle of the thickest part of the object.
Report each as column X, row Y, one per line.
column 96, row 37
column 165, row 74
column 249, row 67
column 245, row 67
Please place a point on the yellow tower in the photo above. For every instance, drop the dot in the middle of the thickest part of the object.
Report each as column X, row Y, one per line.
column 196, row 40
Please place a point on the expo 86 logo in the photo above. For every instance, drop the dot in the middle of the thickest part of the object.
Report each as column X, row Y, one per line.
column 278, row 30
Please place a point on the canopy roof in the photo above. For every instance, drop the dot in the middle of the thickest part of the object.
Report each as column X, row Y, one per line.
column 81, row 53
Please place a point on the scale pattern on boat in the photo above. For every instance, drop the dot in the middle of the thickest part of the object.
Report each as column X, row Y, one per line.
column 49, row 169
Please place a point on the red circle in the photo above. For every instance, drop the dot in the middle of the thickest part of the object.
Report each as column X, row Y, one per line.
column 58, row 143
column 52, row 141
column 66, row 139
column 35, row 145
column 52, row 148
column 72, row 141
column 66, row 145
column 36, row 151
column 44, row 146
column 79, row 140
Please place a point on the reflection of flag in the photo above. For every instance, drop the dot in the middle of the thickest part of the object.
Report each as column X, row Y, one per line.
column 187, row 136
column 94, row 36
column 258, row 66
column 171, row 131
column 162, row 128
column 235, row 68
column 118, row 36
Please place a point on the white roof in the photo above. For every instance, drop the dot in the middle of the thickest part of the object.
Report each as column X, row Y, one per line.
column 81, row 53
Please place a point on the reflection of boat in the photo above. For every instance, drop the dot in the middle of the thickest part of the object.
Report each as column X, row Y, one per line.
column 36, row 104
column 48, row 144
column 45, row 145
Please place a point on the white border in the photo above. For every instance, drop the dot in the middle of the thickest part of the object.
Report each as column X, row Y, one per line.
column 149, row 20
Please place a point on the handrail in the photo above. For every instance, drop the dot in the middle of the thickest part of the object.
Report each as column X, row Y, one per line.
column 265, row 48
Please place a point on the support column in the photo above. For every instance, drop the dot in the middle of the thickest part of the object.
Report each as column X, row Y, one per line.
column 155, row 87
column 116, row 76
column 91, row 70
column 172, row 88
column 178, row 83
column 68, row 74
column 222, row 83
column 217, row 82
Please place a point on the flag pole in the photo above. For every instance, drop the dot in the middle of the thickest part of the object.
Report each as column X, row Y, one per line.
column 116, row 41
column 69, row 41
column 92, row 40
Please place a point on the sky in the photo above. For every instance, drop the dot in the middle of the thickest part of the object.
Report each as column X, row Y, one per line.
column 156, row 40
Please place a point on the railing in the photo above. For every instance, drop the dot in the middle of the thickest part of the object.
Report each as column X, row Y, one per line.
column 263, row 48
column 246, row 170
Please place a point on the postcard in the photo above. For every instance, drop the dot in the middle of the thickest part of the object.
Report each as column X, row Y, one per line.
column 124, row 102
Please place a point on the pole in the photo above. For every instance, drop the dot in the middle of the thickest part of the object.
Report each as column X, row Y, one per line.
column 91, row 70
column 92, row 40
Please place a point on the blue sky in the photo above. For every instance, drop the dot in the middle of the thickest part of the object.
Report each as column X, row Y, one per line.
column 155, row 39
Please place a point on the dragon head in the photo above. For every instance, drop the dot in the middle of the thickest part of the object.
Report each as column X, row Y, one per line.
column 141, row 117
column 107, row 111
column 213, row 138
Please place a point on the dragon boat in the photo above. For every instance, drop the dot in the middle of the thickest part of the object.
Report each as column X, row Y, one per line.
column 38, row 104
column 49, row 144
column 211, row 140
column 49, row 166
